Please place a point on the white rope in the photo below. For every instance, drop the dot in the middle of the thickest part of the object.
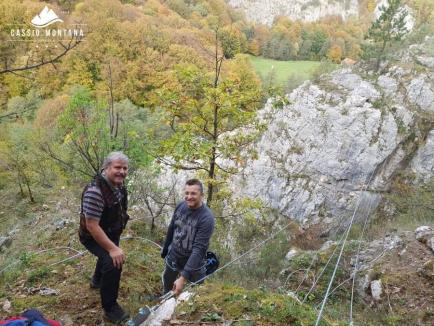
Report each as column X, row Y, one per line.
column 357, row 261
column 341, row 224
column 171, row 294
column 315, row 256
column 316, row 280
column 341, row 252
column 244, row 254
column 78, row 253
column 141, row 238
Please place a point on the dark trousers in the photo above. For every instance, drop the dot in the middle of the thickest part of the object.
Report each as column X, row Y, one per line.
column 105, row 271
column 174, row 265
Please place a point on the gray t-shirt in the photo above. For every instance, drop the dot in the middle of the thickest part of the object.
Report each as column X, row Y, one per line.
column 189, row 234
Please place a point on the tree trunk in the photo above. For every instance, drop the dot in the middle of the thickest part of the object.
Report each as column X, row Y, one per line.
column 26, row 180
column 19, row 184
column 211, row 176
column 380, row 56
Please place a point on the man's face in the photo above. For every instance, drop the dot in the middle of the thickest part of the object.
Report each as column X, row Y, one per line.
column 116, row 172
column 193, row 196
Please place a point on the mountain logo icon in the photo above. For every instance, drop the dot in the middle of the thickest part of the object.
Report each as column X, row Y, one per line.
column 45, row 17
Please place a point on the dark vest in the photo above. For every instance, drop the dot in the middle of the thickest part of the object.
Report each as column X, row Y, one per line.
column 114, row 217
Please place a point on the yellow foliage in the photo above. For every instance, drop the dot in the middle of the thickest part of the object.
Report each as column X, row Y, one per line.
column 372, row 4
column 254, row 48
column 335, row 53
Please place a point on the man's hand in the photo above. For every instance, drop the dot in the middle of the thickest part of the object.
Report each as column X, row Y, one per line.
column 101, row 238
column 118, row 257
column 178, row 285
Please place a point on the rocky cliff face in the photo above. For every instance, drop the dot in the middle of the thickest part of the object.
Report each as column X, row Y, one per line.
column 307, row 10
column 342, row 139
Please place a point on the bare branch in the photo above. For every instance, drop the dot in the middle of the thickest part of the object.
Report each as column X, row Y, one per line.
column 43, row 62
column 56, row 158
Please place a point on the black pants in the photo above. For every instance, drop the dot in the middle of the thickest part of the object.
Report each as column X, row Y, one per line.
column 174, row 265
column 105, row 271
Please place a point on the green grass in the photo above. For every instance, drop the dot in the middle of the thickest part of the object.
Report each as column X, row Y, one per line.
column 284, row 70
column 216, row 301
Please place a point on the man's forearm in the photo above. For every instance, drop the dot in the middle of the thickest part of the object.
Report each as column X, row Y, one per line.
column 100, row 237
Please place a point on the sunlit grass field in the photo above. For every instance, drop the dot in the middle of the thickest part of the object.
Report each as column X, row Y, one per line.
column 284, row 70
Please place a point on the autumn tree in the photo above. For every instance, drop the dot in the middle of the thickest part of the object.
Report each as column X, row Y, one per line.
column 205, row 112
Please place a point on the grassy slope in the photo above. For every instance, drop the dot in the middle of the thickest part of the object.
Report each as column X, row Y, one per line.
column 284, row 69
column 29, row 270
column 218, row 302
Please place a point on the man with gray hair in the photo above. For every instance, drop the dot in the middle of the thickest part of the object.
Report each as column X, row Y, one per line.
column 103, row 217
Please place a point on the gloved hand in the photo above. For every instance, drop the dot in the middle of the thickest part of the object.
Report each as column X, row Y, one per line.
column 164, row 252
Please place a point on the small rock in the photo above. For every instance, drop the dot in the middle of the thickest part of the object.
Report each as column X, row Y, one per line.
column 392, row 242
column 428, row 269
column 363, row 284
column 326, row 245
column 61, row 224
column 376, row 290
column 426, row 61
column 291, row 254
column 293, row 295
column 48, row 291
column 7, row 306
column 43, row 291
column 45, row 207
column 423, row 232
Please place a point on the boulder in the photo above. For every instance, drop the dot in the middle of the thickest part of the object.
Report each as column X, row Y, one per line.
column 376, row 290
column 291, row 254
column 424, row 233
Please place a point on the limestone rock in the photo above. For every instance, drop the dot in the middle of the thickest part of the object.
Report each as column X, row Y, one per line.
column 423, row 162
column 423, row 233
column 388, row 84
column 426, row 61
column 339, row 143
column 427, row 269
column 291, row 254
column 375, row 250
column 328, row 244
column 7, row 306
column 376, row 290
column 62, row 223
column 421, row 92
column 265, row 11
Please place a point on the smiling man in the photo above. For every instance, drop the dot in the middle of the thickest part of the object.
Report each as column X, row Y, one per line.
column 103, row 217
column 187, row 239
